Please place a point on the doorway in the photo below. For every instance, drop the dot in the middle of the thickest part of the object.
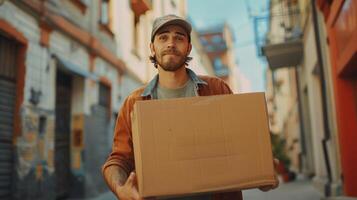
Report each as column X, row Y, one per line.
column 62, row 134
column 8, row 74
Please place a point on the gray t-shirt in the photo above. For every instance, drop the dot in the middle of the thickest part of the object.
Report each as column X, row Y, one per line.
column 187, row 90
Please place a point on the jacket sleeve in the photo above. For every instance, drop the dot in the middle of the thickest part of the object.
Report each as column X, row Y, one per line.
column 122, row 153
column 224, row 88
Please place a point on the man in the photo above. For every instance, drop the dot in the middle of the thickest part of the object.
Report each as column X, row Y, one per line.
column 170, row 46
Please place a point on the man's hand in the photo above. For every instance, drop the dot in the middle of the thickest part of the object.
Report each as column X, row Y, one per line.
column 129, row 190
column 270, row 187
column 120, row 184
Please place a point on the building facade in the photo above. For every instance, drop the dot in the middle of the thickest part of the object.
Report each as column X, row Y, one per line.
column 340, row 25
column 60, row 79
column 309, row 37
column 217, row 42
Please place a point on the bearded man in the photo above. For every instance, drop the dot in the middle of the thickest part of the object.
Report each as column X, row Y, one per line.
column 170, row 48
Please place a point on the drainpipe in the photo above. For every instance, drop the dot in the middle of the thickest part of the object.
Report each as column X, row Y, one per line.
column 301, row 118
column 327, row 133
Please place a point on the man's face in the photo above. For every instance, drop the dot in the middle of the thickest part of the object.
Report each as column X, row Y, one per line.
column 170, row 47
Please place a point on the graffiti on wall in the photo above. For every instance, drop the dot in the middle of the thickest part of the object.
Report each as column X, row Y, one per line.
column 34, row 146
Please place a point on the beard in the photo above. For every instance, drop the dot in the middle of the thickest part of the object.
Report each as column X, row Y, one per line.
column 171, row 64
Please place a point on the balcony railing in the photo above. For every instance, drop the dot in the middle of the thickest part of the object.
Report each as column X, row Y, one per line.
column 284, row 47
column 284, row 54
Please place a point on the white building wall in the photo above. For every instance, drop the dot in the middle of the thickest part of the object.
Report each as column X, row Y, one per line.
column 123, row 27
column 333, row 143
column 196, row 63
column 41, row 68
column 104, row 69
column 63, row 46
column 315, row 99
column 126, row 85
column 282, row 97
column 73, row 52
column 278, row 33
column 286, row 111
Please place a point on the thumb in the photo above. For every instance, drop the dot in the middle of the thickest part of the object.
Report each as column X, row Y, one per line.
column 131, row 179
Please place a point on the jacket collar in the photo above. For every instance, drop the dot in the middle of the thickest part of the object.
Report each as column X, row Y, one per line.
column 149, row 89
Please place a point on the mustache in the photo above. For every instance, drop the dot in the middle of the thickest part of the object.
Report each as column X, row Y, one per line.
column 171, row 51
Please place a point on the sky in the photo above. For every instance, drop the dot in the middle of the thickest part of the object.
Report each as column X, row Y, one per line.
column 203, row 13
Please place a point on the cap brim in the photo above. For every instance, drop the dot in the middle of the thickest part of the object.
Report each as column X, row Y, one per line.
column 179, row 22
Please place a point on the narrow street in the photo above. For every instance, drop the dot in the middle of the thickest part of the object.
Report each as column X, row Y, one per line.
column 301, row 189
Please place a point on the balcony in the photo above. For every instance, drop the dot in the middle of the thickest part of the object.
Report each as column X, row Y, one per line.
column 140, row 6
column 285, row 54
column 283, row 46
column 209, row 48
column 222, row 71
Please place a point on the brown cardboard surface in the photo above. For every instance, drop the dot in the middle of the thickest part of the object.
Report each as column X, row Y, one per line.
column 202, row 144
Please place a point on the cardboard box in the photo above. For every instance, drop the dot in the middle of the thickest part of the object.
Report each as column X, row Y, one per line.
column 202, row 144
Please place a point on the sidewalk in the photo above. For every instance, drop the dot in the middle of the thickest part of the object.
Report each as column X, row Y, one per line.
column 105, row 196
column 301, row 189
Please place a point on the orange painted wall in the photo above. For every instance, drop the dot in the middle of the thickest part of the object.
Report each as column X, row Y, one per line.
column 341, row 23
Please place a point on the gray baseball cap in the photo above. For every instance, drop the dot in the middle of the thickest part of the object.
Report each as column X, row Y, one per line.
column 170, row 20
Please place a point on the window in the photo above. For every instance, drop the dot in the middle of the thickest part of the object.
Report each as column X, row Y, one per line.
column 104, row 95
column 217, row 39
column 136, row 31
column 217, row 63
column 85, row 2
column 204, row 41
column 209, row 48
column 81, row 4
column 104, row 17
column 139, row 8
column 173, row 4
column 104, row 12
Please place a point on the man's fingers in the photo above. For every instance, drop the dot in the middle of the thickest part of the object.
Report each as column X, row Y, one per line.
column 131, row 179
column 276, row 162
column 269, row 187
column 135, row 193
column 136, row 196
column 275, row 185
column 265, row 188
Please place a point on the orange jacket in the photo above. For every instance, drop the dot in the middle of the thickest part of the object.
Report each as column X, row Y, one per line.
column 122, row 153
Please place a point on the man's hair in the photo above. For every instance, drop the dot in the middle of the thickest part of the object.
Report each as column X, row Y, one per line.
column 154, row 61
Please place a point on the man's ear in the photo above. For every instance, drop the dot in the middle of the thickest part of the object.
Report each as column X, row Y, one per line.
column 152, row 49
column 189, row 49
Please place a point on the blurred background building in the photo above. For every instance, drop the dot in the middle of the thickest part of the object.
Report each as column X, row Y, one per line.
column 217, row 42
column 60, row 79
column 311, row 53
column 67, row 66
